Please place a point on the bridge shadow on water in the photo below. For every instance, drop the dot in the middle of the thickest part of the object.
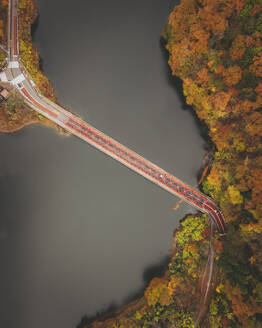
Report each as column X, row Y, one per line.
column 152, row 271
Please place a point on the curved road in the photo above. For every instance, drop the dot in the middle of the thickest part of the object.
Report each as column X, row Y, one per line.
column 17, row 75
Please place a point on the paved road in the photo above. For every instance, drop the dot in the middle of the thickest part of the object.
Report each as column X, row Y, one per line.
column 17, row 75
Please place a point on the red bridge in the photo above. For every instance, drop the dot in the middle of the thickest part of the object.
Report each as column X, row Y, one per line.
column 147, row 169
column 96, row 138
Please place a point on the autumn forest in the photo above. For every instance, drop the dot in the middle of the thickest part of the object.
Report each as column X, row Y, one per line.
column 215, row 48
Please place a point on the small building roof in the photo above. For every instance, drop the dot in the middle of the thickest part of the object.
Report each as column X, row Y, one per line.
column 4, row 93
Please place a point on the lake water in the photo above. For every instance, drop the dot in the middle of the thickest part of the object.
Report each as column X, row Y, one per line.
column 79, row 232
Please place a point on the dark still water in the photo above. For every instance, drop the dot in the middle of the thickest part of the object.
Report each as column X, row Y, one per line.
column 79, row 231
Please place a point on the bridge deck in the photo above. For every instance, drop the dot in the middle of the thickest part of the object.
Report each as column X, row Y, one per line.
column 81, row 129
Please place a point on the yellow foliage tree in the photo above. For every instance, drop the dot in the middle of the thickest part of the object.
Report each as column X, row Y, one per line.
column 158, row 291
column 234, row 195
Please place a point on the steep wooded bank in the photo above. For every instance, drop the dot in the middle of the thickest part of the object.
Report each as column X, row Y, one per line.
column 216, row 49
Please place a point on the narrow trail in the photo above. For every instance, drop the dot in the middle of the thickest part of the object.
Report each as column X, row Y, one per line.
column 206, row 282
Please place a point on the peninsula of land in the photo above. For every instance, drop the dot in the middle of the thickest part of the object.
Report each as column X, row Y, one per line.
column 14, row 112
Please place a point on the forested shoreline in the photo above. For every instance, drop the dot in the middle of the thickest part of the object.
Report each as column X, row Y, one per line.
column 215, row 48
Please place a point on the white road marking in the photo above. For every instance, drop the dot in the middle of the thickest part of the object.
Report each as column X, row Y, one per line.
column 3, row 77
column 13, row 64
column 20, row 78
